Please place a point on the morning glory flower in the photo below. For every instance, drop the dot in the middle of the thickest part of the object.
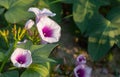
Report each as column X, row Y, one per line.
column 81, row 59
column 21, row 58
column 82, row 71
column 41, row 13
column 29, row 24
column 48, row 29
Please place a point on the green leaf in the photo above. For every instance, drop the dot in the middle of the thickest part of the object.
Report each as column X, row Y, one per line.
column 115, row 3
column 57, row 10
column 1, row 10
column 39, row 59
column 30, row 73
column 2, row 56
column 114, row 15
column 42, row 50
column 26, row 45
column 36, row 71
column 98, row 46
column 40, row 53
column 105, row 35
column 84, row 10
column 17, row 9
column 23, row 3
column 4, row 45
column 16, row 15
column 5, row 3
column 10, row 74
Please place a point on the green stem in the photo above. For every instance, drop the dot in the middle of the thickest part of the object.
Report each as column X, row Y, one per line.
column 10, row 51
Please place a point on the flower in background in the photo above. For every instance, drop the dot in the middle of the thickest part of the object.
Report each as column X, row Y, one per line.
column 79, row 71
column 48, row 29
column 81, row 59
column 29, row 24
column 82, row 71
column 21, row 58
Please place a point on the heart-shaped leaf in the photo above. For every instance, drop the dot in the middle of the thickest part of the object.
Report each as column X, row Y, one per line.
column 105, row 35
column 84, row 10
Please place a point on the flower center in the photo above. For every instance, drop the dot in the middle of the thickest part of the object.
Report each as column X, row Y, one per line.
column 81, row 59
column 21, row 59
column 47, row 31
column 81, row 72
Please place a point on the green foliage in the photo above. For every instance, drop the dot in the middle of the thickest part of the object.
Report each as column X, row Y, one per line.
column 3, row 43
column 10, row 74
column 1, row 10
column 67, row 1
column 40, row 53
column 101, row 26
column 2, row 56
column 16, row 9
column 26, row 45
column 36, row 70
column 40, row 57
column 103, row 39
column 84, row 11
column 102, row 31
column 98, row 20
column 42, row 49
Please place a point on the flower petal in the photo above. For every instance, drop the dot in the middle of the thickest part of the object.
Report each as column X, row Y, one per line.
column 53, row 27
column 79, row 71
column 29, row 24
column 35, row 10
column 88, row 71
column 21, row 58
column 81, row 59
column 41, row 13
column 82, row 71
column 46, row 12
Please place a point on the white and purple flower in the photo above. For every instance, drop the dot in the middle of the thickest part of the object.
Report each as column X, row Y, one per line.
column 48, row 29
column 81, row 59
column 21, row 58
column 82, row 71
column 41, row 13
column 29, row 24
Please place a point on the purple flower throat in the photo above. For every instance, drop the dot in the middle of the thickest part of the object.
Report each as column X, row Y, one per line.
column 47, row 31
column 80, row 72
column 21, row 59
column 81, row 59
